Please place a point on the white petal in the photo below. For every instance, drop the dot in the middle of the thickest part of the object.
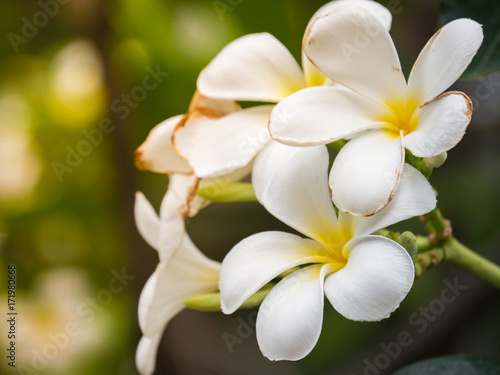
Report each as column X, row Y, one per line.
column 173, row 210
column 381, row 11
column 180, row 188
column 269, row 161
column 196, row 204
column 366, row 173
column 186, row 274
column 258, row 259
column 219, row 107
column 290, row 317
column 444, row 59
column 319, row 115
column 215, row 147
column 299, row 196
column 145, row 356
column 157, row 153
column 414, row 197
column 146, row 220
column 441, row 124
column 255, row 67
column 378, row 275
column 313, row 75
column 352, row 46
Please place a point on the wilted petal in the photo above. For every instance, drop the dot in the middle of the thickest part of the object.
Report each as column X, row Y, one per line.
column 441, row 124
column 258, row 259
column 145, row 356
column 352, row 46
column 187, row 273
column 215, row 147
column 255, row 67
column 319, row 115
column 366, row 173
column 290, row 318
column 298, row 194
column 414, row 197
column 378, row 275
column 157, row 154
column 220, row 107
column 444, row 58
column 146, row 220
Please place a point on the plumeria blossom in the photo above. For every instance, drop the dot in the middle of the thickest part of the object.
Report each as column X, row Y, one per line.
column 255, row 67
column 157, row 153
column 365, row 277
column 374, row 106
column 183, row 270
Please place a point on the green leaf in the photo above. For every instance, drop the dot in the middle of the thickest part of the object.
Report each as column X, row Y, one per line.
column 487, row 13
column 452, row 365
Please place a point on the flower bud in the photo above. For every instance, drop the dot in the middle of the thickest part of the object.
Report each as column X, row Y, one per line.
column 409, row 242
column 436, row 161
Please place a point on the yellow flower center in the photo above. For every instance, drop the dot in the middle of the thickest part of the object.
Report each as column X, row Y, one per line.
column 332, row 252
column 401, row 117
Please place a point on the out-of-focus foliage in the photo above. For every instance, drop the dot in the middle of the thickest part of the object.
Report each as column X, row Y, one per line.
column 487, row 13
column 452, row 365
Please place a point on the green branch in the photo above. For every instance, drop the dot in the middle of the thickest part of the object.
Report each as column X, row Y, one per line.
column 441, row 245
column 471, row 262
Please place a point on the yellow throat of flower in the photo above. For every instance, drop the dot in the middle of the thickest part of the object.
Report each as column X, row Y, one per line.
column 332, row 252
column 401, row 117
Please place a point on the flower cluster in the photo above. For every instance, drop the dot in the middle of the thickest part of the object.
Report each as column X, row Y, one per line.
column 350, row 87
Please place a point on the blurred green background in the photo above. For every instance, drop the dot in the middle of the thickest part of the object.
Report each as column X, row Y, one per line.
column 66, row 221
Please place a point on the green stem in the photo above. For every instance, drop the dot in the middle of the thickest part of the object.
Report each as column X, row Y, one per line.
column 426, row 260
column 423, row 244
column 211, row 301
column 435, row 221
column 227, row 192
column 419, row 164
column 463, row 257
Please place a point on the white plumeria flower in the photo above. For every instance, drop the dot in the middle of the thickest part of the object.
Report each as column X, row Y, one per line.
column 183, row 270
column 157, row 153
column 365, row 277
column 375, row 106
column 255, row 67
